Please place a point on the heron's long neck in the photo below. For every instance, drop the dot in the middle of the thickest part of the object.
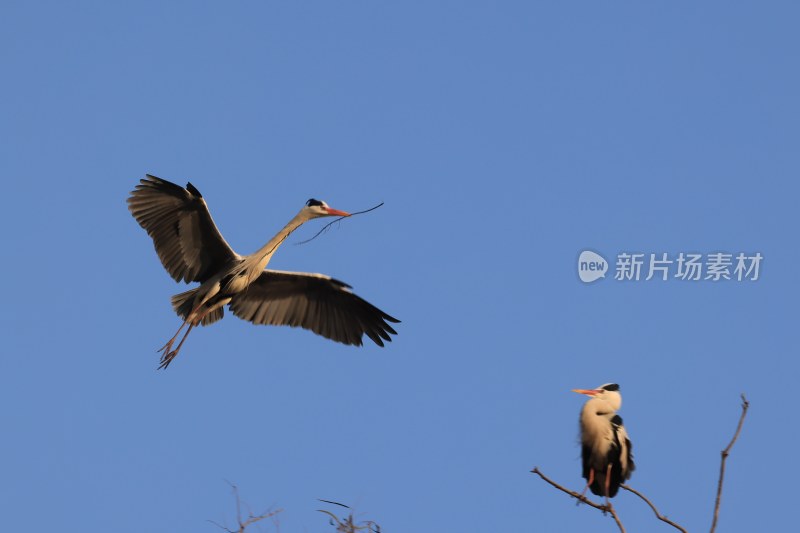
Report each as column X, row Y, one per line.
column 262, row 256
column 596, row 407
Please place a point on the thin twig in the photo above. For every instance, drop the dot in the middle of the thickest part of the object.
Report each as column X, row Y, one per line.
column 580, row 497
column 349, row 525
column 334, row 503
column 251, row 519
column 616, row 518
column 653, row 507
column 725, row 453
column 326, row 226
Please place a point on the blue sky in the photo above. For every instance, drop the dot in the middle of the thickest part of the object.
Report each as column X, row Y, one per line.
column 504, row 139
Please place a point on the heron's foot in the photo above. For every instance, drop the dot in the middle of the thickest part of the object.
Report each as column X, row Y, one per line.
column 167, row 354
column 167, row 358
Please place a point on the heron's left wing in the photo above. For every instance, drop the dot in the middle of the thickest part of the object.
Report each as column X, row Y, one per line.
column 625, row 446
column 316, row 302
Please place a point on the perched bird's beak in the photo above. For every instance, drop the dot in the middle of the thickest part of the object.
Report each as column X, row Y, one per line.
column 336, row 212
column 584, row 391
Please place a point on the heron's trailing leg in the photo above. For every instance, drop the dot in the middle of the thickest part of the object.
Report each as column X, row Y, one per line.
column 168, row 346
column 169, row 355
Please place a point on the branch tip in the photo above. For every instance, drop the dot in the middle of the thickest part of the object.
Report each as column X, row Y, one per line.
column 725, row 453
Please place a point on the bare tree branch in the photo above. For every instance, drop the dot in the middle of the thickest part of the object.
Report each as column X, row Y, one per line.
column 653, row 507
column 349, row 525
column 581, row 498
column 251, row 518
column 725, row 453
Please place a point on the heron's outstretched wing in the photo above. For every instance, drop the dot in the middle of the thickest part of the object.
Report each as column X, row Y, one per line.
column 312, row 301
column 187, row 241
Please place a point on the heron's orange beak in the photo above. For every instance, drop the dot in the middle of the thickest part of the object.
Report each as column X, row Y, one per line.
column 584, row 391
column 337, row 213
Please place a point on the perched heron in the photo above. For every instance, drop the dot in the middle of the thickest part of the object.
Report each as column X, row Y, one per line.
column 606, row 449
column 191, row 248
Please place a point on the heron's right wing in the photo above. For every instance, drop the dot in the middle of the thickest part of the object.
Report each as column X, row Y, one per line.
column 186, row 239
column 316, row 302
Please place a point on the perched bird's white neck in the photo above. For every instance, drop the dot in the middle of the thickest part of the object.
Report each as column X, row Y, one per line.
column 596, row 418
column 595, row 407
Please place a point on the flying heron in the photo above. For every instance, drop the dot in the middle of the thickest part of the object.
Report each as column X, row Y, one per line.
column 192, row 249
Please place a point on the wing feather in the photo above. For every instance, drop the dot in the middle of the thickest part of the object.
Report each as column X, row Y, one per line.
column 315, row 302
column 187, row 241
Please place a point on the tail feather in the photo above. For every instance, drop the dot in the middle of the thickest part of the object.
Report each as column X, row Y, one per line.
column 184, row 304
column 213, row 316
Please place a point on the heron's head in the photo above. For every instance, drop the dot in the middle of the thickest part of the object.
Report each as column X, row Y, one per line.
column 607, row 393
column 317, row 208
